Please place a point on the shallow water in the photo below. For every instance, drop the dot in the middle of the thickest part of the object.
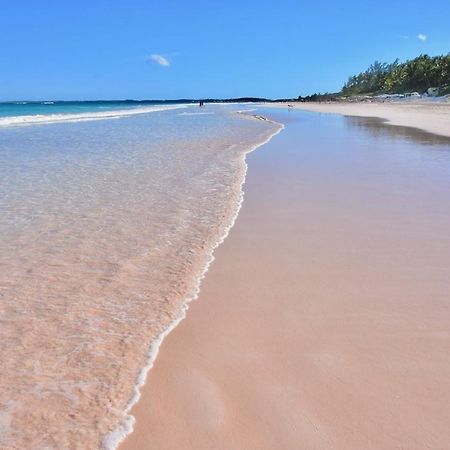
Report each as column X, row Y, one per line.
column 105, row 229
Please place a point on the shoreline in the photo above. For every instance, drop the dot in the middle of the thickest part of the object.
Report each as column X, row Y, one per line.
column 115, row 438
column 432, row 118
column 209, row 375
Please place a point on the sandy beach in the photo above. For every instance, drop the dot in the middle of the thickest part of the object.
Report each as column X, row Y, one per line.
column 324, row 321
column 218, row 238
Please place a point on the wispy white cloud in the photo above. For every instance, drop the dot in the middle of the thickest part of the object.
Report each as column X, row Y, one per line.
column 159, row 59
column 422, row 37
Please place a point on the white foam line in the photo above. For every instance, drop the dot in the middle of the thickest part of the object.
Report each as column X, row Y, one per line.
column 42, row 119
column 112, row 440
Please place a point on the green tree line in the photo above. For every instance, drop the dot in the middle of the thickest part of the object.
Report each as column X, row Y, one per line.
column 417, row 74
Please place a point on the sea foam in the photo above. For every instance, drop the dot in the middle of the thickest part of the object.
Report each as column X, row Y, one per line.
column 113, row 439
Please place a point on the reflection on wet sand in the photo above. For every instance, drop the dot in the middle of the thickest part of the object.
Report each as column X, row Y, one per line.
column 378, row 128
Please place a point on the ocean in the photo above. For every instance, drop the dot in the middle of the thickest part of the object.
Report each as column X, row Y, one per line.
column 109, row 214
column 26, row 113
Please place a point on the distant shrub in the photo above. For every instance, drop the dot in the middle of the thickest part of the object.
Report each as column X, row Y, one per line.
column 417, row 74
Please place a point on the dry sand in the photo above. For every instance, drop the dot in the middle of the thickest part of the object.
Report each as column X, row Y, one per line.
column 432, row 117
column 324, row 322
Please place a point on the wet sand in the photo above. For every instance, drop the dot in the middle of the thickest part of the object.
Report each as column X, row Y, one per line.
column 324, row 322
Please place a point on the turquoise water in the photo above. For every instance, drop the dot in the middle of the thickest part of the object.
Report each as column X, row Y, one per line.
column 30, row 113
column 23, row 108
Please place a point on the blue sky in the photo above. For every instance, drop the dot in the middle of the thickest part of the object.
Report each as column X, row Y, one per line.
column 170, row 49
